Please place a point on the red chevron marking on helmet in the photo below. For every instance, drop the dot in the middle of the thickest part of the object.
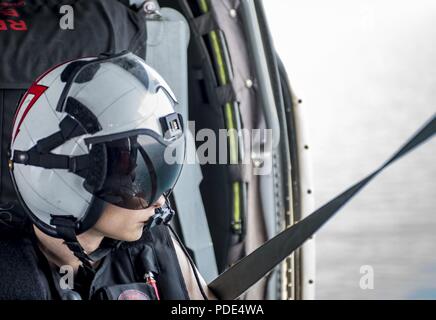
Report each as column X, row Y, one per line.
column 37, row 91
column 35, row 84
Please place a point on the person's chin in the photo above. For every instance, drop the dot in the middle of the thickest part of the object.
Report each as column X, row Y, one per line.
column 131, row 234
column 134, row 235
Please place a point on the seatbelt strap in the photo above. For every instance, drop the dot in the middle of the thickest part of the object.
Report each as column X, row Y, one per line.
column 236, row 280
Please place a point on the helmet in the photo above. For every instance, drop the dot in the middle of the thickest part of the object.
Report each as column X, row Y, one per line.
column 91, row 132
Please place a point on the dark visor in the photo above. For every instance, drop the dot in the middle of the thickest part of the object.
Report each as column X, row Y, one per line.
column 141, row 166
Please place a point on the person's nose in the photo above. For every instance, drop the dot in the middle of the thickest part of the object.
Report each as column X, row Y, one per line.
column 159, row 203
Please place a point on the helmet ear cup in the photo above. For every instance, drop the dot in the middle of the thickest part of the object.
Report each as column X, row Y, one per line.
column 97, row 171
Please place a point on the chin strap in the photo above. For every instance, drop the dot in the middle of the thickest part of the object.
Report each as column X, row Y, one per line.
column 66, row 228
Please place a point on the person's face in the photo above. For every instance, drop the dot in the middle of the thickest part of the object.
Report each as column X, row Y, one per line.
column 123, row 224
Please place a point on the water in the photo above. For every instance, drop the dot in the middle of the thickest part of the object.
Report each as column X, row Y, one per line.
column 366, row 75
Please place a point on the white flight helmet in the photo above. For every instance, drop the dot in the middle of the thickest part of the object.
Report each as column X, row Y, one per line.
column 91, row 132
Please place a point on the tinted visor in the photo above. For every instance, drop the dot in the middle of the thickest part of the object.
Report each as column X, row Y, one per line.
column 141, row 168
